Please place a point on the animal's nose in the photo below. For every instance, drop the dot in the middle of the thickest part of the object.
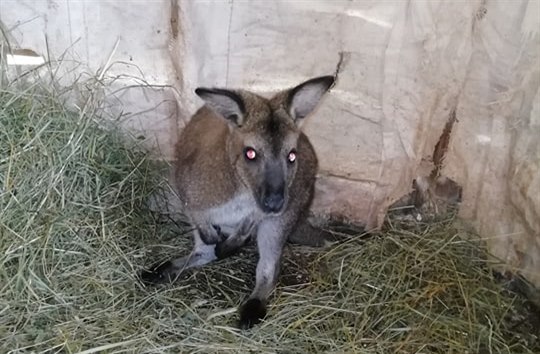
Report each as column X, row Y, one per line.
column 273, row 203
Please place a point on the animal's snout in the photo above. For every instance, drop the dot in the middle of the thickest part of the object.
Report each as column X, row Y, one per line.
column 272, row 203
column 273, row 191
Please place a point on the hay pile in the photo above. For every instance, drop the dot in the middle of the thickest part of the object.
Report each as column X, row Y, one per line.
column 75, row 231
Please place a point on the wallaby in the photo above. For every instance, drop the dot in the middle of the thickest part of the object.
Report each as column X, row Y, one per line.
column 244, row 169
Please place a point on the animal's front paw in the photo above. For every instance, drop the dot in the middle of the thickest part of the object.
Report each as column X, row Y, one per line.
column 159, row 273
column 251, row 313
column 212, row 234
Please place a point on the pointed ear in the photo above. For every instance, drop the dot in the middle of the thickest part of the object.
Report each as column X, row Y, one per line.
column 226, row 103
column 303, row 99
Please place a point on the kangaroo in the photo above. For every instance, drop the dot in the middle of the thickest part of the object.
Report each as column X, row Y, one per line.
column 244, row 170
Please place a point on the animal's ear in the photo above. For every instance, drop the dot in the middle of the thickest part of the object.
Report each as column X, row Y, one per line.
column 303, row 98
column 224, row 102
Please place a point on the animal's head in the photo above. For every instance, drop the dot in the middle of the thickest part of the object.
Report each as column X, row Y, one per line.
column 263, row 144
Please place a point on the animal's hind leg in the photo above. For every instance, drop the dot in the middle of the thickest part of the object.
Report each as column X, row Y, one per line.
column 169, row 271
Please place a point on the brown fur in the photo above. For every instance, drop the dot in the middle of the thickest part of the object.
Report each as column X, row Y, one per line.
column 200, row 153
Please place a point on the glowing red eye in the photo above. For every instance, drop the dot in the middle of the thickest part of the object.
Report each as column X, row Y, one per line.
column 292, row 156
column 250, row 154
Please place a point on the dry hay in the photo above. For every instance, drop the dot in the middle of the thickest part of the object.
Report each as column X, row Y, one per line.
column 75, row 231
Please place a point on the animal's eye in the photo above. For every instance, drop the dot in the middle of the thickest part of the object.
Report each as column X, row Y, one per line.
column 292, row 156
column 250, row 153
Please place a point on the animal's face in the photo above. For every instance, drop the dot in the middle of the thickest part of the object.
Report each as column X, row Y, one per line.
column 264, row 136
column 266, row 156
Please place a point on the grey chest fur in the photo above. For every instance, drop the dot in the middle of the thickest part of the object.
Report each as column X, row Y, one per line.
column 238, row 212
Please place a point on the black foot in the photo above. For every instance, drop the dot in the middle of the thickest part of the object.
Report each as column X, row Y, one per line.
column 158, row 274
column 251, row 313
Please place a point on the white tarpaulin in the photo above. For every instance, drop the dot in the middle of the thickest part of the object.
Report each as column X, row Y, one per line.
column 405, row 69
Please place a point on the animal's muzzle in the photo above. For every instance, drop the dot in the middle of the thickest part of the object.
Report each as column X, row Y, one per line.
column 273, row 192
column 273, row 203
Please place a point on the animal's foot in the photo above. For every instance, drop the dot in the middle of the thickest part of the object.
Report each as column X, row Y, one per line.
column 160, row 273
column 251, row 313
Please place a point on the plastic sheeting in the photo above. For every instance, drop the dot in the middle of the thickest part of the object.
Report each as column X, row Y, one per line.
column 405, row 69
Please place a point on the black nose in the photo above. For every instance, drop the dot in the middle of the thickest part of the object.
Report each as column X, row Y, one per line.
column 273, row 203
